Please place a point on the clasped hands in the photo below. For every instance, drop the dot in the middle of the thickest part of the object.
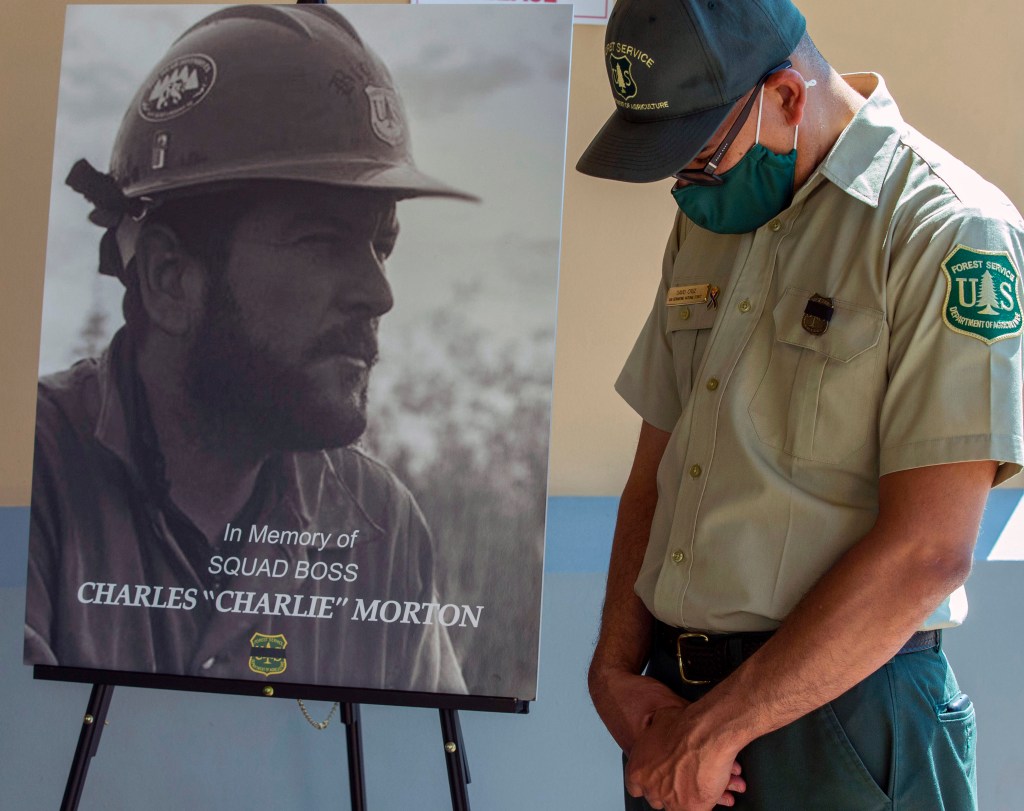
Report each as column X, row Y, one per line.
column 673, row 763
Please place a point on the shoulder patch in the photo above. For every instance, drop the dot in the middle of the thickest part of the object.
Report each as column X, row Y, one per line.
column 982, row 294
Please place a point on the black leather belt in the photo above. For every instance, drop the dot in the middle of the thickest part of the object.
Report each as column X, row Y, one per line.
column 709, row 658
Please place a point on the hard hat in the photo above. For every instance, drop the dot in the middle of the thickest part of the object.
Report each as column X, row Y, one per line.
column 268, row 93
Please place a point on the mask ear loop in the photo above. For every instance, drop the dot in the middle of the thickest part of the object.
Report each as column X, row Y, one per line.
column 760, row 104
column 796, row 132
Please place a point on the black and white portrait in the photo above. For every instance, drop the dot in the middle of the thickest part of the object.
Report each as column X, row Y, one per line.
column 297, row 345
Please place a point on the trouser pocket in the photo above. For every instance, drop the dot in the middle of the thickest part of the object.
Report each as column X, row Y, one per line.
column 811, row 764
column 937, row 740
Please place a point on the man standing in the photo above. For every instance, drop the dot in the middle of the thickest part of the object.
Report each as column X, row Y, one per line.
column 197, row 506
column 807, row 489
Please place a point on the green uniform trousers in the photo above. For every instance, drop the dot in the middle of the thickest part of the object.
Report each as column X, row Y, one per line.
column 901, row 740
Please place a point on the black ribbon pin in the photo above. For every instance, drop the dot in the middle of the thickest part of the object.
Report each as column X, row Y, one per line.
column 713, row 297
column 817, row 314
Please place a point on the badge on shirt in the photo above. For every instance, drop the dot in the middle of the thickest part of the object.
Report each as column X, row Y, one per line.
column 693, row 294
column 982, row 298
column 817, row 314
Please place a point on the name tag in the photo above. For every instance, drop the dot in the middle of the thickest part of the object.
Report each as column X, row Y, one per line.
column 687, row 294
column 693, row 294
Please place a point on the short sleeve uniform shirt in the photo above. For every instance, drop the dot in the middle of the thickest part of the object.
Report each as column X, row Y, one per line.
column 779, row 431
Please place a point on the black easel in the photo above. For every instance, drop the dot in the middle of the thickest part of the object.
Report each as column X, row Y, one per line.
column 354, row 747
column 88, row 742
column 95, row 719
column 455, row 759
column 104, row 681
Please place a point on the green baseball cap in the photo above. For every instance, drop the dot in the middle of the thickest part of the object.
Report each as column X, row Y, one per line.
column 676, row 69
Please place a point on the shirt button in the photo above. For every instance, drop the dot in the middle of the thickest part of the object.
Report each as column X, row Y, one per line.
column 678, row 556
column 775, row 225
column 684, row 313
column 744, row 306
column 208, row 663
column 712, row 383
column 695, row 471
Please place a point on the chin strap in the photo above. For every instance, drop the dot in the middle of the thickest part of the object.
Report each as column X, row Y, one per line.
column 122, row 216
column 105, row 194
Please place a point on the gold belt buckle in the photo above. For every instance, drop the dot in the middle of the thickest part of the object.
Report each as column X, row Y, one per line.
column 679, row 656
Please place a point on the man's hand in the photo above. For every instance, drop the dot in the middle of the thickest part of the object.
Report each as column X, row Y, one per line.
column 627, row 703
column 673, row 767
column 650, row 724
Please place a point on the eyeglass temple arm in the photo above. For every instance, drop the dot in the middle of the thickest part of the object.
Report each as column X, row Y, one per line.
column 741, row 119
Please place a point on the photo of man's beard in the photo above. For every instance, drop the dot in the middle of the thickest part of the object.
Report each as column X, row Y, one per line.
column 247, row 400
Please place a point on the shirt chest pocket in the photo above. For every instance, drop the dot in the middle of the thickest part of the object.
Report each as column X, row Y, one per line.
column 819, row 396
column 688, row 327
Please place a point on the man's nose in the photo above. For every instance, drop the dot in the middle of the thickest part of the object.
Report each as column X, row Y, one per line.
column 371, row 292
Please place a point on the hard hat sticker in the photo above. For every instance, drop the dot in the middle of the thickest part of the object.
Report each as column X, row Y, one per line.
column 386, row 115
column 178, row 87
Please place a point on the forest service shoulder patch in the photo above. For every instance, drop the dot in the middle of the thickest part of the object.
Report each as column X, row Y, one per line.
column 982, row 294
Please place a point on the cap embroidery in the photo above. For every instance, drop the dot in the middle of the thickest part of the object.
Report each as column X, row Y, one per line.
column 622, row 76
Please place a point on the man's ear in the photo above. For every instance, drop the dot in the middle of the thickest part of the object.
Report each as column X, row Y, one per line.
column 791, row 91
column 171, row 280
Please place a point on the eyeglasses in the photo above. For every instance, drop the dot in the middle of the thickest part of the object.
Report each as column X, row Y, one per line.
column 707, row 176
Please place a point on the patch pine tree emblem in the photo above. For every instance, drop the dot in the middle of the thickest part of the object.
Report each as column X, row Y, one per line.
column 982, row 294
column 622, row 76
column 267, row 656
column 181, row 85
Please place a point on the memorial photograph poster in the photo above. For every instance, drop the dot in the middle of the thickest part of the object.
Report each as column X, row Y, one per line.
column 297, row 344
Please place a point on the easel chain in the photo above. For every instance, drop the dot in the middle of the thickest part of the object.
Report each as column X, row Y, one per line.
column 321, row 725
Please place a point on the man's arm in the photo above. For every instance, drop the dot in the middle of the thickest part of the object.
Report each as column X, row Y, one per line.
column 853, row 621
column 624, row 699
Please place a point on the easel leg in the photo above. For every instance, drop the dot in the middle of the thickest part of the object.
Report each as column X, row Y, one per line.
column 455, row 759
column 88, row 743
column 354, row 744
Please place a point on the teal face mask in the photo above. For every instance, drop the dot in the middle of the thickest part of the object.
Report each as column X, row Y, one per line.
column 753, row 191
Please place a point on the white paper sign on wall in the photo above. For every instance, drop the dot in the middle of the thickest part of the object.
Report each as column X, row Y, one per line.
column 594, row 12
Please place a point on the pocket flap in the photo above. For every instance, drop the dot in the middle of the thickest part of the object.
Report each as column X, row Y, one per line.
column 852, row 330
column 690, row 316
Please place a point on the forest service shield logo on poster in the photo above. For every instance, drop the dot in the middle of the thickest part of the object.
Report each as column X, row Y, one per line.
column 385, row 115
column 267, row 656
column 982, row 298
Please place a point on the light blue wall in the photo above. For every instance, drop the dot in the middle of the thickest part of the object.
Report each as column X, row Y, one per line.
column 169, row 750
